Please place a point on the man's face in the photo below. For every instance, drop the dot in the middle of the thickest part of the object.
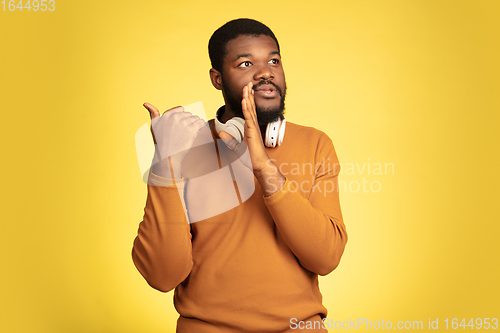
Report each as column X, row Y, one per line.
column 256, row 60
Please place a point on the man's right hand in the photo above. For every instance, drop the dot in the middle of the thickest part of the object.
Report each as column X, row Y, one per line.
column 173, row 133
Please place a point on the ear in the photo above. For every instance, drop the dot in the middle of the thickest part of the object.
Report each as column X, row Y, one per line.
column 216, row 78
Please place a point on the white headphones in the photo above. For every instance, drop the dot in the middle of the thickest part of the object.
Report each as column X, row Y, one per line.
column 275, row 131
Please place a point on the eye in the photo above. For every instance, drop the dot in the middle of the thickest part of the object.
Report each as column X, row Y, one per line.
column 245, row 64
column 274, row 61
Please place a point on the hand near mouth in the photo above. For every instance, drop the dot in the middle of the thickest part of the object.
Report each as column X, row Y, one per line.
column 266, row 172
column 252, row 135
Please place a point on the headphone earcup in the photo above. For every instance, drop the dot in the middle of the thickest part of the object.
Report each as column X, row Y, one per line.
column 275, row 132
column 234, row 127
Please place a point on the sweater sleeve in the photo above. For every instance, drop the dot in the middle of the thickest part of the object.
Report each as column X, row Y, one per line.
column 313, row 228
column 162, row 250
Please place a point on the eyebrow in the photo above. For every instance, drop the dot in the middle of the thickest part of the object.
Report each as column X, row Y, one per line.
column 245, row 55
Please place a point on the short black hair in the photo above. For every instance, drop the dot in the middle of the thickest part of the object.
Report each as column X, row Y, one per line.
column 231, row 30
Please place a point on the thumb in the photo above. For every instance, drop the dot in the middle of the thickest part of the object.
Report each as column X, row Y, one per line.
column 153, row 111
column 239, row 148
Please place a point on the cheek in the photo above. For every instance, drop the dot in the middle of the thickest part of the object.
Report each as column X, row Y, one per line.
column 237, row 82
column 234, row 92
column 238, row 90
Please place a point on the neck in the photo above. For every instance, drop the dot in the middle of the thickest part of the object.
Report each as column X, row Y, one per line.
column 227, row 113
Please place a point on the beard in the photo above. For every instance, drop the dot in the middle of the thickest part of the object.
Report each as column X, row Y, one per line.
column 265, row 115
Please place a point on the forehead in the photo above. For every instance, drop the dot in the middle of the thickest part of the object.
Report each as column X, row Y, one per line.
column 252, row 45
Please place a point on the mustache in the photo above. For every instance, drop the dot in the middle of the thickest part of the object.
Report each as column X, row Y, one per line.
column 263, row 82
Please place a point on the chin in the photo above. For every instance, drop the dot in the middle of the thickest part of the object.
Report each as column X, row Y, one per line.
column 267, row 107
column 268, row 115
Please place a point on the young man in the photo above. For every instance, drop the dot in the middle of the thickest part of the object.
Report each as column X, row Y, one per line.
column 255, row 267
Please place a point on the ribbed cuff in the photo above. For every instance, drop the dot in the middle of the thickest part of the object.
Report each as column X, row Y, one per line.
column 281, row 193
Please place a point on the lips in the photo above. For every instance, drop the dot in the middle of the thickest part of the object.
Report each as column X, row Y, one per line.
column 266, row 90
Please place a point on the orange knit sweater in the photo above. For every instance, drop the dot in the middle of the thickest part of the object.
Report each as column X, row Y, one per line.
column 255, row 267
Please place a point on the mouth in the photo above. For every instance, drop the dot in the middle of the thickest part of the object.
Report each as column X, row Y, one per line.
column 266, row 91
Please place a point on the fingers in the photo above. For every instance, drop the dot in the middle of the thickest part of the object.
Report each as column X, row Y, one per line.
column 200, row 123
column 239, row 148
column 228, row 139
column 189, row 120
column 175, row 109
column 251, row 102
column 248, row 103
column 251, row 97
column 176, row 121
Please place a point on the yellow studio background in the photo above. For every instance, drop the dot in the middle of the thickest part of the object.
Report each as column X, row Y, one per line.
column 407, row 90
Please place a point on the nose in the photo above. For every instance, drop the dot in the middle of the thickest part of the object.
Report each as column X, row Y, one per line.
column 263, row 72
